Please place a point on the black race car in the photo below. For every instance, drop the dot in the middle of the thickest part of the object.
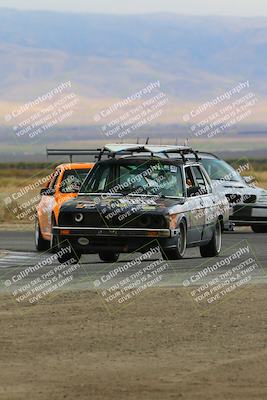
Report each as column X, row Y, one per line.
column 139, row 194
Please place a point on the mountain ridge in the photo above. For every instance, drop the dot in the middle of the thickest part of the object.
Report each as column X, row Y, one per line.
column 111, row 56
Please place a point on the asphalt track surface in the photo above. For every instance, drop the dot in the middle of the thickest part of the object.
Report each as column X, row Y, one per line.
column 18, row 252
column 21, row 241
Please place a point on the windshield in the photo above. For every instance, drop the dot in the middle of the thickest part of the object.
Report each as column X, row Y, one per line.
column 220, row 170
column 136, row 178
column 72, row 180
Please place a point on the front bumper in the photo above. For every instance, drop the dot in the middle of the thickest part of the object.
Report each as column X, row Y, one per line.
column 123, row 240
column 93, row 231
column 249, row 214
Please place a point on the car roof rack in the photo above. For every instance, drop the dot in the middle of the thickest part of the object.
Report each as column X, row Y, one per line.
column 130, row 149
column 73, row 152
column 209, row 154
column 113, row 150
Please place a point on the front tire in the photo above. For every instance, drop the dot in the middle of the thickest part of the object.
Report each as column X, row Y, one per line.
column 108, row 256
column 259, row 228
column 40, row 243
column 213, row 248
column 179, row 251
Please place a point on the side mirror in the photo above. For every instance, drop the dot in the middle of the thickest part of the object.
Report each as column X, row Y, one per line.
column 192, row 191
column 249, row 179
column 47, row 192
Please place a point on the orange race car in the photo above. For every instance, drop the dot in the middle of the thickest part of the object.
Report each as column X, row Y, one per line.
column 64, row 185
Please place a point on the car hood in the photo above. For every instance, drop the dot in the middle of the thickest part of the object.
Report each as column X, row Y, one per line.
column 235, row 187
column 110, row 202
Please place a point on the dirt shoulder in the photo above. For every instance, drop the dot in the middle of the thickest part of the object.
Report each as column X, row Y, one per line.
column 160, row 347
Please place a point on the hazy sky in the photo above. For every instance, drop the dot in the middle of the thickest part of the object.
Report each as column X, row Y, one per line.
column 195, row 7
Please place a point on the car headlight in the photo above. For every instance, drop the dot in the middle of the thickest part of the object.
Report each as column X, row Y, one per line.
column 263, row 197
column 78, row 217
column 173, row 221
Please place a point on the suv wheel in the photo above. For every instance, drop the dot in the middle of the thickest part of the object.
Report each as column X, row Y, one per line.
column 108, row 256
column 40, row 243
column 179, row 251
column 259, row 228
column 213, row 248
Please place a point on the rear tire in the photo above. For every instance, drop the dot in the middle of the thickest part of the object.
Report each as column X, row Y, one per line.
column 259, row 228
column 213, row 248
column 179, row 251
column 40, row 243
column 109, row 256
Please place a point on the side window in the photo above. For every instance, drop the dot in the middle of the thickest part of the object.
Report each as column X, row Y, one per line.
column 72, row 180
column 206, row 178
column 189, row 178
column 99, row 180
column 103, row 182
column 54, row 180
column 201, row 180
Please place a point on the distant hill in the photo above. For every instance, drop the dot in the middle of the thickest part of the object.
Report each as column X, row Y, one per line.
column 109, row 57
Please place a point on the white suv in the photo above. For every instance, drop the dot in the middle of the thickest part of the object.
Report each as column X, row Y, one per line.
column 249, row 202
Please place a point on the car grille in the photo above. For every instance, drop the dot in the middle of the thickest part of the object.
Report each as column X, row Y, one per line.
column 249, row 198
column 237, row 198
column 233, row 198
column 95, row 219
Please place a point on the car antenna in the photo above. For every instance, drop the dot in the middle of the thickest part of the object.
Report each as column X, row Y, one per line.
column 147, row 140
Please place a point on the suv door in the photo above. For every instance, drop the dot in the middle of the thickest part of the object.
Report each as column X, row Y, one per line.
column 195, row 207
column 207, row 201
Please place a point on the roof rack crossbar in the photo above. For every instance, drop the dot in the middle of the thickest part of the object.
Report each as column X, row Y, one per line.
column 111, row 151
column 72, row 152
